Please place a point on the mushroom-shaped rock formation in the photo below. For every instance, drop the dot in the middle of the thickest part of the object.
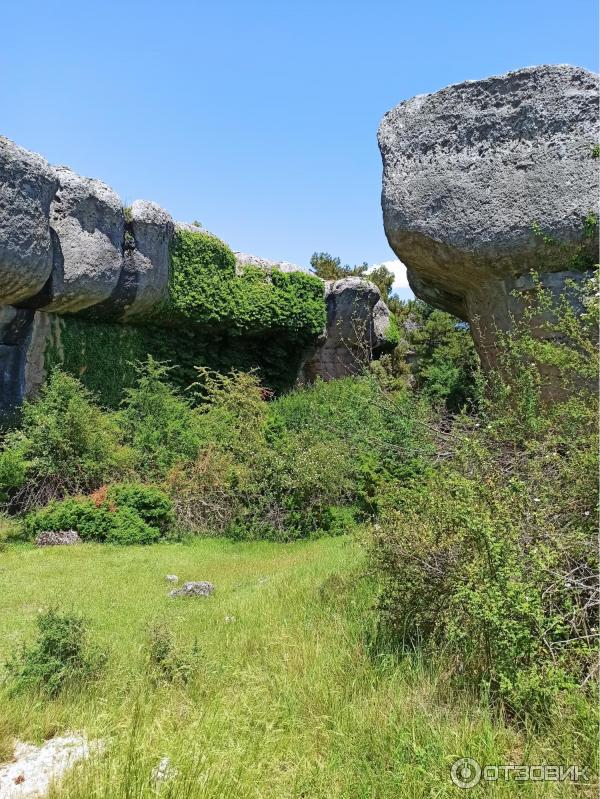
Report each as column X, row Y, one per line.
column 487, row 180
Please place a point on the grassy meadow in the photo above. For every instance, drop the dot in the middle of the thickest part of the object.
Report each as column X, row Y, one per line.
column 285, row 697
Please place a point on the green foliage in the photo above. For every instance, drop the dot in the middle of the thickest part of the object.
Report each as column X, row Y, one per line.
column 206, row 293
column 327, row 267
column 151, row 504
column 127, row 527
column 157, row 422
column 392, row 333
column 13, row 468
column 60, row 657
column 302, row 465
column 444, row 363
column 93, row 523
column 122, row 515
column 101, row 354
column 212, row 318
column 66, row 444
column 596, row 151
column 168, row 661
column 579, row 256
column 384, row 280
column 493, row 557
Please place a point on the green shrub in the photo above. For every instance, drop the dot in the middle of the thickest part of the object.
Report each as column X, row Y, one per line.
column 94, row 522
column 66, row 444
column 60, row 657
column 127, row 527
column 204, row 492
column 13, row 469
column 294, row 467
column 151, row 504
column 492, row 558
column 157, row 422
column 168, row 661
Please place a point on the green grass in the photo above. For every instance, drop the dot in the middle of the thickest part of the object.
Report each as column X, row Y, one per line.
column 286, row 700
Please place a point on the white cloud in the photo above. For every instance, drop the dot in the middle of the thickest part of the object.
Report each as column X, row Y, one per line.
column 397, row 267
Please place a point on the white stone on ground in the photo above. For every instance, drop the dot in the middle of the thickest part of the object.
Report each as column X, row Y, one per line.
column 34, row 768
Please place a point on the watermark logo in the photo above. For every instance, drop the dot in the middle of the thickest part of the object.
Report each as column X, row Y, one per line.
column 467, row 773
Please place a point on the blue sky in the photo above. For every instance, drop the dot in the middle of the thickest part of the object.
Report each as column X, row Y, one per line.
column 257, row 118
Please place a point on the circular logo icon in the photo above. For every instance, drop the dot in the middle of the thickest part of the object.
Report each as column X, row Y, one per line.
column 465, row 772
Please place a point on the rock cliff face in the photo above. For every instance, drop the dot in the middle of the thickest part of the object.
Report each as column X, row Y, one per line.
column 70, row 251
column 358, row 327
column 487, row 180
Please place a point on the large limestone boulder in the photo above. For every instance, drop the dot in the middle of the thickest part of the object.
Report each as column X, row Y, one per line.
column 479, row 176
column 27, row 186
column 357, row 328
column 145, row 273
column 87, row 218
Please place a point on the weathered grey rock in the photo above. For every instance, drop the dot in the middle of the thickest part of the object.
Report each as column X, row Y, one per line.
column 357, row 328
column 24, row 336
column 171, row 578
column 33, row 770
column 87, row 218
column 243, row 259
column 54, row 538
column 146, row 264
column 27, row 185
column 471, row 169
column 194, row 588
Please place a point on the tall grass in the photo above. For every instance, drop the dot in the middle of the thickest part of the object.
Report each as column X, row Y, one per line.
column 288, row 696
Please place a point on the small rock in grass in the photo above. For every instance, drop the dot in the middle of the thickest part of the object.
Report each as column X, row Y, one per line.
column 171, row 578
column 162, row 773
column 54, row 538
column 194, row 588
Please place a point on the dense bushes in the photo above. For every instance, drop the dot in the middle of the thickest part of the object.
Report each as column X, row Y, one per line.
column 122, row 514
column 436, row 352
column 205, row 291
column 301, row 465
column 493, row 559
column 230, row 461
column 66, row 444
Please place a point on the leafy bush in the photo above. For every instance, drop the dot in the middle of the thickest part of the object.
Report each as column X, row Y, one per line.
column 157, row 422
column 13, row 469
column 167, row 662
column 127, row 527
column 61, row 656
column 493, row 557
column 151, row 504
column 93, row 522
column 204, row 492
column 302, row 465
column 66, row 444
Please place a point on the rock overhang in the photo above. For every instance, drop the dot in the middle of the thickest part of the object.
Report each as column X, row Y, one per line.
column 487, row 180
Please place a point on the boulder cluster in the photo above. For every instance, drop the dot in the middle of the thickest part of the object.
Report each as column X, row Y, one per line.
column 69, row 246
